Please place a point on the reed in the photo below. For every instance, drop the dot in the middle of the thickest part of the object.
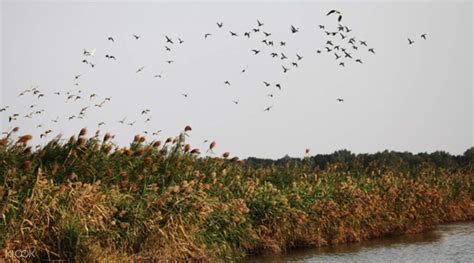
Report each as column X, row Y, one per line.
column 87, row 199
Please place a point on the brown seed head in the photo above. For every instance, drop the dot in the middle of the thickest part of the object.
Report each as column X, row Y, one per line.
column 107, row 137
column 26, row 165
column 188, row 128
column 82, row 132
column 136, row 138
column 24, row 139
column 195, row 151
column 226, row 154
column 212, row 145
column 187, row 147
column 157, row 144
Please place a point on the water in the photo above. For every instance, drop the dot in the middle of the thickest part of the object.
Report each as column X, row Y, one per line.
column 447, row 243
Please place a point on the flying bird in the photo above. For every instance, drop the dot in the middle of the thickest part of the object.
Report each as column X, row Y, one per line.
column 207, row 35
column 140, row 69
column 285, row 69
column 410, row 41
column 335, row 12
column 220, row 24
column 169, row 40
column 294, row 29
column 340, row 100
column 423, row 36
column 136, row 36
column 111, row 39
column 255, row 51
column 233, row 34
column 259, row 23
column 268, row 108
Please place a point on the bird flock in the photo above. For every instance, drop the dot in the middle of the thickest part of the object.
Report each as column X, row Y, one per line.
column 340, row 42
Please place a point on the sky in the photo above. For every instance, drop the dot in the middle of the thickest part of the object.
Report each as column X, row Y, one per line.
column 416, row 98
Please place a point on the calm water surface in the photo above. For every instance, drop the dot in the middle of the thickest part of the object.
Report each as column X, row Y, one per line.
column 447, row 243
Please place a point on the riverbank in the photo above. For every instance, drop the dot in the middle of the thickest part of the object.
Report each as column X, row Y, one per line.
column 450, row 242
column 87, row 199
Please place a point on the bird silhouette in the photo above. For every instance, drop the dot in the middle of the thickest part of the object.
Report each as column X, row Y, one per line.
column 321, row 26
column 335, row 12
column 235, row 102
column 169, row 40
column 111, row 39
column 363, row 43
column 299, row 57
column 180, row 41
column 340, row 100
column 278, row 86
column 283, row 56
column 274, row 54
column 259, row 23
column 167, row 48
column 207, row 35
column 266, row 84
column 410, row 41
column 267, row 34
column 358, row 61
column 255, row 51
column 371, row 50
column 341, row 64
column 268, row 108
column 233, row 34
column 140, row 69
column 423, row 36
column 294, row 29
column 285, row 69
column 220, row 24
column 247, row 34
column 136, row 36
column 227, row 82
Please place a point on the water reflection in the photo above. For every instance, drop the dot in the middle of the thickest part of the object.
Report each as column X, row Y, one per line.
column 447, row 243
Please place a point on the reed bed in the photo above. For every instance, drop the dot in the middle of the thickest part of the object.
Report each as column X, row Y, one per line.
column 87, row 199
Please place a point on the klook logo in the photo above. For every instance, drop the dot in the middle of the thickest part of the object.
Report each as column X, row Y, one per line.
column 21, row 253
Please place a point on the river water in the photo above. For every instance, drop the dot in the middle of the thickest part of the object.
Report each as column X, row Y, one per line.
column 452, row 242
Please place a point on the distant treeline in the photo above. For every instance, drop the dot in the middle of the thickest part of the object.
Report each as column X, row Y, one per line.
column 346, row 160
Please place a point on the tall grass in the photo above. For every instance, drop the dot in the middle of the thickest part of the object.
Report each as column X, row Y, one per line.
column 88, row 199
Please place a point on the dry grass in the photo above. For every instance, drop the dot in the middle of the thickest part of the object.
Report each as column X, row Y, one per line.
column 89, row 200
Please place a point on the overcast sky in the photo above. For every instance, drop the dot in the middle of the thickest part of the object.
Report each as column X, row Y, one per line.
column 404, row 97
